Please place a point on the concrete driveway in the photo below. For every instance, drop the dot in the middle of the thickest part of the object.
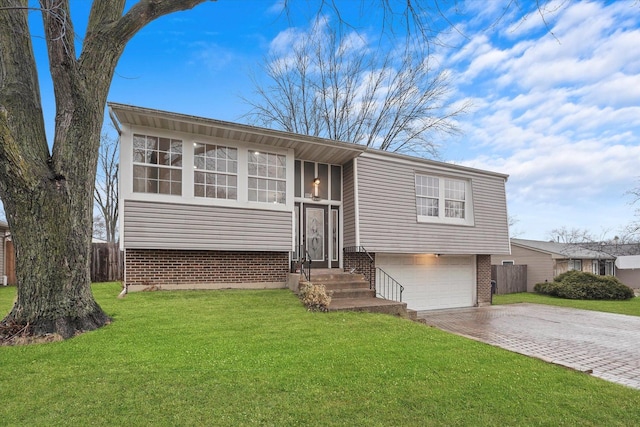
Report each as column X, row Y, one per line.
column 603, row 344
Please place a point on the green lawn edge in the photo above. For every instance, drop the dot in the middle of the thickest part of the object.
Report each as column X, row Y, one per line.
column 630, row 307
column 259, row 358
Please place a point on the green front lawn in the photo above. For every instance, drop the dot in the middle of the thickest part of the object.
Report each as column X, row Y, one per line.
column 631, row 307
column 258, row 358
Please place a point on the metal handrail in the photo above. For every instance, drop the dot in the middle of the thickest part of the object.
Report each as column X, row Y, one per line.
column 300, row 258
column 388, row 287
column 307, row 259
column 380, row 281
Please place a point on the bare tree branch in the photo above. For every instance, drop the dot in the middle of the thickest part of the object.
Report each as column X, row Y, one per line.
column 106, row 190
column 334, row 85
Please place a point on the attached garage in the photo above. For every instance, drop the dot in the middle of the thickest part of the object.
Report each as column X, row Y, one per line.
column 432, row 282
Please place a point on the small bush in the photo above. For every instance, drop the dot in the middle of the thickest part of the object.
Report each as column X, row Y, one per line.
column 315, row 297
column 586, row 286
column 546, row 288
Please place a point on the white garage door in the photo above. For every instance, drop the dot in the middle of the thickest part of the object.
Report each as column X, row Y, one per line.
column 432, row 282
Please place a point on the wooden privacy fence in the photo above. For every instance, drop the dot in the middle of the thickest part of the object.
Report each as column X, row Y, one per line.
column 10, row 263
column 509, row 278
column 107, row 263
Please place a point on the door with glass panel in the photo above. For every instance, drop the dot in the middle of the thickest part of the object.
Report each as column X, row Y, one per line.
column 315, row 234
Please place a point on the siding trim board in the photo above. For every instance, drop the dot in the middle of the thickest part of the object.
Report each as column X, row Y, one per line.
column 348, row 205
column 356, row 204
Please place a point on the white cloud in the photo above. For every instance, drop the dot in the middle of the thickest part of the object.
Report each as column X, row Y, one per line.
column 561, row 116
column 211, row 55
column 277, row 7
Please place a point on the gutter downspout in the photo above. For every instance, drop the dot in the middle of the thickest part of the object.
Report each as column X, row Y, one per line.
column 125, row 290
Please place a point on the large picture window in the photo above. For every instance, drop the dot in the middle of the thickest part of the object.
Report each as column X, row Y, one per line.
column 215, row 171
column 157, row 165
column 442, row 199
column 267, row 174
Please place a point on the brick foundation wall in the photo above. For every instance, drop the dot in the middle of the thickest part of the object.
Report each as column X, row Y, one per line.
column 483, row 279
column 361, row 263
column 174, row 267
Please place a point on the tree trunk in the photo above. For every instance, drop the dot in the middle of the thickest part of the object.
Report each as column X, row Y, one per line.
column 53, row 266
column 48, row 196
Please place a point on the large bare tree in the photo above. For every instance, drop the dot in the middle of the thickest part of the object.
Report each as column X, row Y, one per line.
column 48, row 193
column 332, row 83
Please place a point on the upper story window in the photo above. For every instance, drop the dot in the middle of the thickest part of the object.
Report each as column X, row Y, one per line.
column 317, row 180
column 267, row 173
column 454, row 198
column 157, row 165
column 215, row 171
column 442, row 199
column 428, row 196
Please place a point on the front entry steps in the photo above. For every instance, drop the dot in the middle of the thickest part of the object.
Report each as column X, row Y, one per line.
column 351, row 293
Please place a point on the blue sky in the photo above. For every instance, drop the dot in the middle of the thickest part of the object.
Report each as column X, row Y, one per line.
column 556, row 106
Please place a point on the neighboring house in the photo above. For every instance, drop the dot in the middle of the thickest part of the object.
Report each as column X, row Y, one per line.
column 211, row 204
column 546, row 260
column 627, row 262
column 628, row 270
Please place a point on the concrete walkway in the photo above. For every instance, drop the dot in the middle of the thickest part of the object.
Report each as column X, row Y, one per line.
column 603, row 344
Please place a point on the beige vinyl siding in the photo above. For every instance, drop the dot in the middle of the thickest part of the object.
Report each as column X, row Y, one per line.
column 152, row 225
column 387, row 211
column 629, row 277
column 348, row 206
column 540, row 265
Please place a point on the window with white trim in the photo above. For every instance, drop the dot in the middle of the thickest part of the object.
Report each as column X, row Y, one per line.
column 267, row 174
column 442, row 199
column 215, row 171
column 157, row 165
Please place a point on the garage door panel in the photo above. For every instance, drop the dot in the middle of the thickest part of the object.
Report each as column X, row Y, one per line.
column 432, row 282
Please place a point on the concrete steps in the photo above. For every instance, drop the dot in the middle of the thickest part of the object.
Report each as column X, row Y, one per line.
column 351, row 293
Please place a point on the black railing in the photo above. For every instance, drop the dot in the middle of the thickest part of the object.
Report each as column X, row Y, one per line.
column 358, row 260
column 301, row 260
column 387, row 287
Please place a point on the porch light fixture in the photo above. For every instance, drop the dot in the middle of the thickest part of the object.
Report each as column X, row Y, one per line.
column 316, row 184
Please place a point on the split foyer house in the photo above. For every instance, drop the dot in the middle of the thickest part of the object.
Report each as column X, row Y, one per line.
column 211, row 204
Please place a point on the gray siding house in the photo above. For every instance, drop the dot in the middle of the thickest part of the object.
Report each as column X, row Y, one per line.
column 212, row 204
